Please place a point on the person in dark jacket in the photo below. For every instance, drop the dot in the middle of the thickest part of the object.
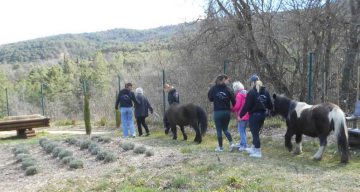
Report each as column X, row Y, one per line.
column 173, row 99
column 173, row 95
column 126, row 98
column 222, row 98
column 257, row 103
column 142, row 110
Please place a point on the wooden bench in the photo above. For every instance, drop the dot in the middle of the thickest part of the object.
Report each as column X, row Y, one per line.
column 353, row 130
column 24, row 125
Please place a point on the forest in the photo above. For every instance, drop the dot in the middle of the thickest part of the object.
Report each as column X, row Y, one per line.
column 273, row 39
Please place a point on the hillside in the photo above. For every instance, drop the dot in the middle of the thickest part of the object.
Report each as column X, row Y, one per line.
column 84, row 45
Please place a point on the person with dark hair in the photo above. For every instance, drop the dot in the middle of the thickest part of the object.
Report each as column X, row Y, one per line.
column 222, row 98
column 142, row 111
column 126, row 98
column 257, row 103
column 173, row 99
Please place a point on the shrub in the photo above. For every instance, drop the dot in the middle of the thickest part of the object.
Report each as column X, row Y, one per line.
column 65, row 153
column 71, row 141
column 76, row 164
column 85, row 144
column 109, row 158
column 66, row 160
column 139, row 149
column 49, row 147
column 101, row 155
column 95, row 138
column 103, row 121
column 19, row 150
column 149, row 153
column 95, row 150
column 22, row 156
column 32, row 170
column 127, row 146
column 106, row 140
column 93, row 145
column 42, row 140
column 27, row 163
column 56, row 152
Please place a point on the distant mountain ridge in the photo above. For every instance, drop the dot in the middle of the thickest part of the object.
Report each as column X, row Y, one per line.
column 83, row 45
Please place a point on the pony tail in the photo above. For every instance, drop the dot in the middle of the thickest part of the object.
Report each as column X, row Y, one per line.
column 338, row 119
column 202, row 120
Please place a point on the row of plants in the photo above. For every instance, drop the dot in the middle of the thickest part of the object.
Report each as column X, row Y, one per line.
column 65, row 156
column 28, row 163
column 127, row 146
column 94, row 148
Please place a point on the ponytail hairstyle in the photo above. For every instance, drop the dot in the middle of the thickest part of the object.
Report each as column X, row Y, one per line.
column 258, row 85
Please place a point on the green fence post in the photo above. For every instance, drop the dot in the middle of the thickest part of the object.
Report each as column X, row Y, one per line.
column 42, row 99
column 310, row 64
column 86, row 108
column 226, row 63
column 7, row 102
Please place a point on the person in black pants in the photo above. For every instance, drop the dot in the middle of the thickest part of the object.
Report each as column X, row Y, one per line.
column 142, row 111
column 257, row 103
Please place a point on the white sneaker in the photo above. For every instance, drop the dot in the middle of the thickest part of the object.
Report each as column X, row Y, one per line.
column 256, row 153
column 250, row 150
column 242, row 148
column 238, row 145
column 232, row 146
column 219, row 149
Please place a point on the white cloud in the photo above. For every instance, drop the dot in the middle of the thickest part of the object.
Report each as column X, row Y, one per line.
column 28, row 19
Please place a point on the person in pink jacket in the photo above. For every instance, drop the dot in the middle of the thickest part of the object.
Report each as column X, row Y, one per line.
column 240, row 94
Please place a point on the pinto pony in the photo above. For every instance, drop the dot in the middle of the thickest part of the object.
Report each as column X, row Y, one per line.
column 187, row 114
column 314, row 121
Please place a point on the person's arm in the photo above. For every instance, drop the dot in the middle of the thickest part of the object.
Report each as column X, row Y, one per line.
column 211, row 95
column 236, row 107
column 149, row 105
column 232, row 97
column 248, row 104
column 117, row 101
column 134, row 99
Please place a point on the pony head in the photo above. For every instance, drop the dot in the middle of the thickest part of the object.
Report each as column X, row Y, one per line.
column 281, row 105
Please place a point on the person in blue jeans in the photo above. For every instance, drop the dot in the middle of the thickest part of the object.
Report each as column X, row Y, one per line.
column 222, row 96
column 126, row 98
column 257, row 103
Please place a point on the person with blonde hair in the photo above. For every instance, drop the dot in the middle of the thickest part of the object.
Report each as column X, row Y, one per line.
column 257, row 103
column 240, row 97
column 142, row 111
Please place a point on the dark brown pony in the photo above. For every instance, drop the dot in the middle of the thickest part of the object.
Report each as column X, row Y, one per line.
column 314, row 121
column 187, row 114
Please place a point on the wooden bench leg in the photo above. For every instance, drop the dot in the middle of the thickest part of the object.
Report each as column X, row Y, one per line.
column 21, row 133
column 30, row 132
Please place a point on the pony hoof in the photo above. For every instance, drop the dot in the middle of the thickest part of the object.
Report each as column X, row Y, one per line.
column 174, row 138
column 297, row 152
column 185, row 138
column 317, row 158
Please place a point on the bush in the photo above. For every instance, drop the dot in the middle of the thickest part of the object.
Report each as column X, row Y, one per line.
column 103, row 121
column 92, row 146
column 95, row 150
column 42, row 140
column 19, row 150
column 22, row 156
column 101, row 155
column 66, row 160
column 140, row 150
column 49, row 147
column 106, row 140
column 149, row 153
column 56, row 152
column 85, row 144
column 127, row 146
column 71, row 140
column 76, row 164
column 109, row 158
column 95, row 138
column 65, row 153
column 27, row 163
column 32, row 170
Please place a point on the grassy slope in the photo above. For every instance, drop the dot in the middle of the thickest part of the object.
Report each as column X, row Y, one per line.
column 201, row 169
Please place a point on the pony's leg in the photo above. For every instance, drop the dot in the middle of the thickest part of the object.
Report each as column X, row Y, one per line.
column 174, row 131
column 288, row 136
column 323, row 143
column 198, row 138
column 298, row 149
column 183, row 132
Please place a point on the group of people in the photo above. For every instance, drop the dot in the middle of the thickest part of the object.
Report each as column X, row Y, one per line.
column 127, row 100
column 250, row 107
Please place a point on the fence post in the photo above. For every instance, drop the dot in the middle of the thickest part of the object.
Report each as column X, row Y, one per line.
column 117, row 112
column 164, row 103
column 7, row 102
column 42, row 99
column 310, row 63
column 119, row 82
column 226, row 62
column 86, row 108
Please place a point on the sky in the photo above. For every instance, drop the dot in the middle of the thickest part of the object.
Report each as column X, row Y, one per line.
column 28, row 19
